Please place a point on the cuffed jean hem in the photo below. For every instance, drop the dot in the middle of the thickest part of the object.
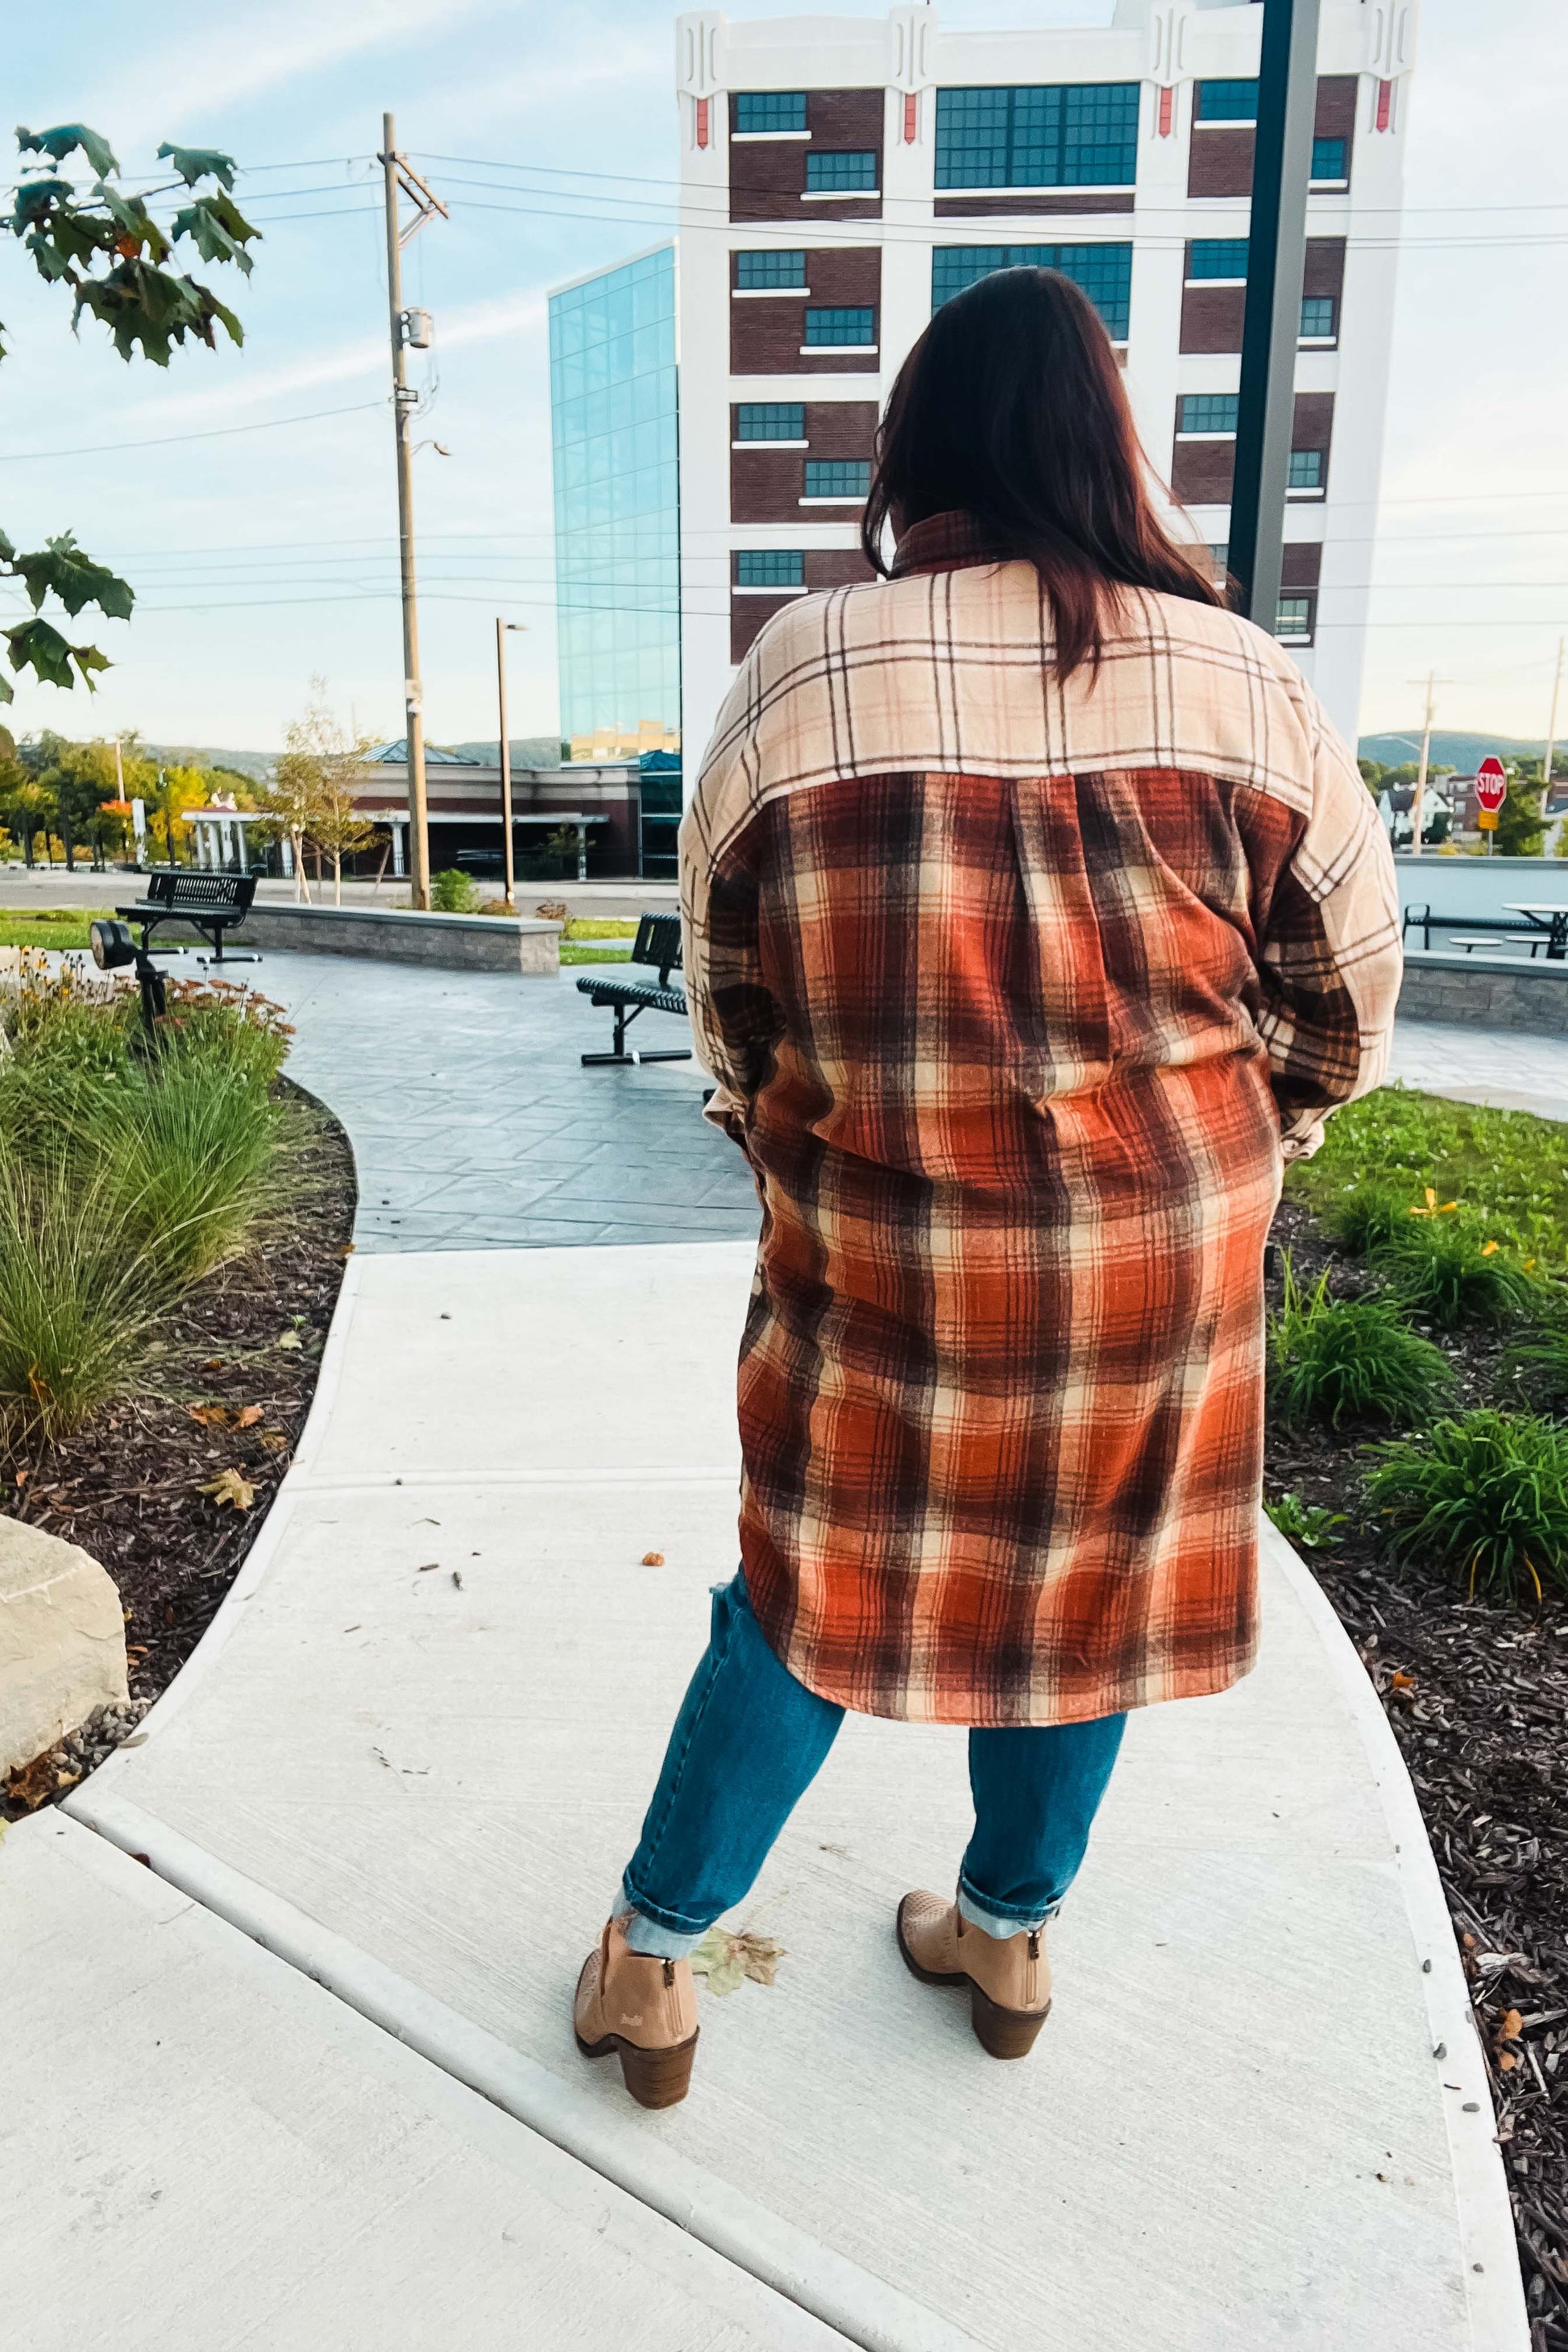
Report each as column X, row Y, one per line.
column 992, row 1922
column 646, row 1931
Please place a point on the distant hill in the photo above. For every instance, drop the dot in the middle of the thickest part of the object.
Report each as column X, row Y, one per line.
column 527, row 751
column 256, row 765
column 1451, row 748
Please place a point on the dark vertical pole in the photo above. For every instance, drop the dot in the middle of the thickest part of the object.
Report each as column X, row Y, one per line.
column 1282, row 162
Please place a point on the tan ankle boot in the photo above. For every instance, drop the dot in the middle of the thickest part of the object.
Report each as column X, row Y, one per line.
column 644, row 2007
column 1009, row 1977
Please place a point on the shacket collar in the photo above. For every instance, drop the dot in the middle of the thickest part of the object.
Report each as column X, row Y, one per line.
column 943, row 542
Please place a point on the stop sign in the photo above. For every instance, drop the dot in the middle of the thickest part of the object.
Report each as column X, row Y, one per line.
column 1492, row 783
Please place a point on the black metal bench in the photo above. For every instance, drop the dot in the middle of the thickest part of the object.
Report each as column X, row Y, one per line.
column 211, row 903
column 657, row 945
column 1462, row 928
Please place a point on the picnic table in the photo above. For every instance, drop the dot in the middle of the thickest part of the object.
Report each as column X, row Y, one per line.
column 1549, row 916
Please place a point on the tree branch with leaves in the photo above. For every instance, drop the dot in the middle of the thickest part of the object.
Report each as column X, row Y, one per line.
column 105, row 246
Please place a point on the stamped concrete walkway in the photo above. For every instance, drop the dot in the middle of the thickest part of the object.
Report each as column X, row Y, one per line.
column 475, row 1125
column 318, row 2087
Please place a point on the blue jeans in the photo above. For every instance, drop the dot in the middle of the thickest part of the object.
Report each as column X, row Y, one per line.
column 748, row 1743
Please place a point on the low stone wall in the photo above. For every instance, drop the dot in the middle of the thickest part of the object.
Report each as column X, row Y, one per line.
column 452, row 942
column 1485, row 992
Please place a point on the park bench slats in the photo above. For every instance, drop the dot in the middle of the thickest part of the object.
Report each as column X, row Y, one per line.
column 211, row 904
column 657, row 946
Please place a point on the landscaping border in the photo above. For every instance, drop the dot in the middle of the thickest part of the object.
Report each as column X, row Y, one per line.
column 1485, row 992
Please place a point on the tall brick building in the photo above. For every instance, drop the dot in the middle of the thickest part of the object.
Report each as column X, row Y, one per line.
column 841, row 178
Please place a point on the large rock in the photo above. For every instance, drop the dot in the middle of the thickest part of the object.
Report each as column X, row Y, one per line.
column 62, row 1641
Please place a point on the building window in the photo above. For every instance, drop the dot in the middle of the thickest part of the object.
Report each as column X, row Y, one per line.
column 770, row 109
column 840, row 171
column 770, row 567
column 1209, row 257
column 769, row 269
column 1328, row 160
column 1218, row 552
column 1293, row 620
column 854, row 327
column 770, row 420
column 1226, row 101
column 837, row 477
column 1206, row 411
column 1104, row 272
column 1306, row 470
column 1059, row 136
column 1318, row 318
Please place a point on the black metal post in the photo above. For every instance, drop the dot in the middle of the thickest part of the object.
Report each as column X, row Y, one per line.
column 1275, row 257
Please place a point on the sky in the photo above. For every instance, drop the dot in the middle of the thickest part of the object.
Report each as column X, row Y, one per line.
column 266, row 556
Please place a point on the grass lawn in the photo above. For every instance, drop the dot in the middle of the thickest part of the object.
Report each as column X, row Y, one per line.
column 46, row 927
column 600, row 927
column 585, row 951
column 1505, row 1167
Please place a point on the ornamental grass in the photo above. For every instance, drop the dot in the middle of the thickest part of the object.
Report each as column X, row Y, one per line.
column 1337, row 1360
column 1483, row 1496
column 127, row 1171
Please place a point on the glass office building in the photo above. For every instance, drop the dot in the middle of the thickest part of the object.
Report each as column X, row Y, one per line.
column 617, row 510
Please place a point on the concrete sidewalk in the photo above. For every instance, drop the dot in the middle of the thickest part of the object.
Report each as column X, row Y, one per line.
column 411, row 1756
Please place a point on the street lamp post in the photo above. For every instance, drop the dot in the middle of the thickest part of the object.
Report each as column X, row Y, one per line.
column 509, row 866
column 1271, row 329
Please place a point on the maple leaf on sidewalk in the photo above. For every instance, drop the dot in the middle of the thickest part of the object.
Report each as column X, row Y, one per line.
column 726, row 1960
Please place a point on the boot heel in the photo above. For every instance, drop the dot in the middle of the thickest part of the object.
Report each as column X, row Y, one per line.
column 658, row 2078
column 1004, row 2032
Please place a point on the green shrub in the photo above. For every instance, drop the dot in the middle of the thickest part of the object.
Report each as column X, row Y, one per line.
column 1337, row 1358
column 1445, row 1267
column 1366, row 1216
column 1485, row 1497
column 452, row 893
column 1308, row 1526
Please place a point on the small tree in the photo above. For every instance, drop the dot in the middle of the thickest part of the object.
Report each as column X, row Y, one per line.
column 1521, row 829
column 26, row 805
column 337, row 829
column 81, row 777
column 311, row 799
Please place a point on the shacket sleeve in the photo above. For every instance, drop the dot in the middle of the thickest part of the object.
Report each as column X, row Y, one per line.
column 1330, row 953
column 734, row 1020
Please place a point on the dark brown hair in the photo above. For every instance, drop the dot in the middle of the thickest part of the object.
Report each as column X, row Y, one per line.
column 1011, row 409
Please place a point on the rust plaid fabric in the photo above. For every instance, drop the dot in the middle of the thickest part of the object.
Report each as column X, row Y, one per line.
column 1015, row 991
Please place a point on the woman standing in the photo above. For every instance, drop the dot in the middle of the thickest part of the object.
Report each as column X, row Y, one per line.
column 1035, row 914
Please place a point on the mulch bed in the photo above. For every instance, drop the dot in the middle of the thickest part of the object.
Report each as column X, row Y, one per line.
column 241, row 1351
column 1477, row 1697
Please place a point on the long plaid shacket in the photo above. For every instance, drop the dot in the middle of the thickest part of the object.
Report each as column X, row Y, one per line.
column 1018, row 992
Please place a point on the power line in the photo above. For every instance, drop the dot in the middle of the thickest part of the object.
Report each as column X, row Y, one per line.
column 167, row 440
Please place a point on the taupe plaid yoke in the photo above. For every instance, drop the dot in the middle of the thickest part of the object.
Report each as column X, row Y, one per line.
column 1013, row 989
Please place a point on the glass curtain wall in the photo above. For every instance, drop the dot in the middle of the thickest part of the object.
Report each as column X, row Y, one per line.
column 618, row 529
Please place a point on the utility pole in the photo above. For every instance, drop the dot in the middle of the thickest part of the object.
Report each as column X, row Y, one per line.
column 1552, row 732
column 509, row 859
column 400, row 179
column 1421, row 777
column 1272, row 327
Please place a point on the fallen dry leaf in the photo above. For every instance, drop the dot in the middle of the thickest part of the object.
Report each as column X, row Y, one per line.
column 653, row 1559
column 32, row 1785
column 726, row 1960
column 1507, row 2062
column 1512, row 2026
column 275, row 1440
column 1401, row 1682
column 228, row 1487
column 212, row 1416
column 290, row 1339
column 248, row 1416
